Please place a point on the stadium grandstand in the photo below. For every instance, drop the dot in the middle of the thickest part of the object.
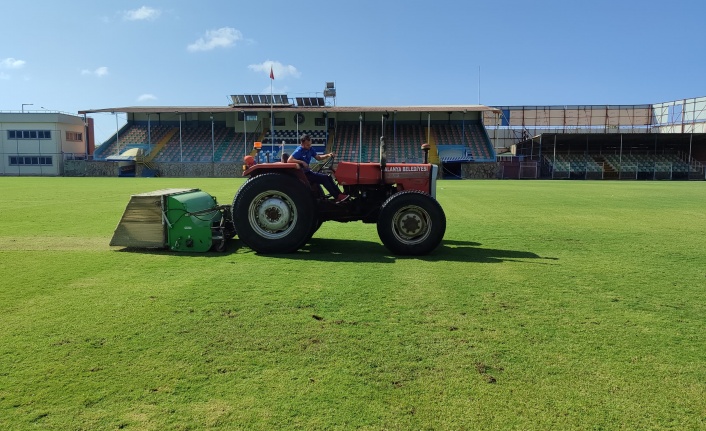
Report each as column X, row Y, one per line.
column 657, row 141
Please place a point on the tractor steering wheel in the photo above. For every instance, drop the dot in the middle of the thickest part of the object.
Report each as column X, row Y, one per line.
column 325, row 166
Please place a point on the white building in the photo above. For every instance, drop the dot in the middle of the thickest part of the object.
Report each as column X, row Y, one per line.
column 38, row 143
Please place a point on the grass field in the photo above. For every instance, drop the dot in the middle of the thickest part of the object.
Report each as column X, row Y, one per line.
column 549, row 305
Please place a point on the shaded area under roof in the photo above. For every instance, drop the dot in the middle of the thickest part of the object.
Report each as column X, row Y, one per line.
column 601, row 142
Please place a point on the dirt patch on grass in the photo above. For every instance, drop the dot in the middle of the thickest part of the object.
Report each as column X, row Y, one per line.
column 58, row 243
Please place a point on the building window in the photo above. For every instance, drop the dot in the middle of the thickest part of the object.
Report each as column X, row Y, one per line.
column 31, row 160
column 247, row 116
column 74, row 136
column 29, row 134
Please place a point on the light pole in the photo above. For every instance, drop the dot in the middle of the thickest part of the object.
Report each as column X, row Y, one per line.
column 181, row 151
column 117, row 133
column 213, row 144
column 26, row 104
column 149, row 135
column 360, row 136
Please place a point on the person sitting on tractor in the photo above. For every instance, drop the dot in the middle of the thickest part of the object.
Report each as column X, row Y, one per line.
column 302, row 156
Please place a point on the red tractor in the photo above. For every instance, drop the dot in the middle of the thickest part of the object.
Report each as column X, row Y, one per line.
column 277, row 210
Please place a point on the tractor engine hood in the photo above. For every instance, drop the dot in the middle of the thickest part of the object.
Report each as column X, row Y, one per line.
column 421, row 177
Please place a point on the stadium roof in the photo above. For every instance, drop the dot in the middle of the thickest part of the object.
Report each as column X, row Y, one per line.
column 293, row 108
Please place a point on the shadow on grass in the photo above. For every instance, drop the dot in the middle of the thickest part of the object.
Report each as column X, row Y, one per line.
column 347, row 250
column 464, row 251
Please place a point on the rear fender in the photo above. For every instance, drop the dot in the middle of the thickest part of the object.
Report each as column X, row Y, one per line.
column 279, row 168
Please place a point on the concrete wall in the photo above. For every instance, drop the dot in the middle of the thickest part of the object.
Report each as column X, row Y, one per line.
column 75, row 168
column 198, row 170
column 228, row 170
column 480, row 171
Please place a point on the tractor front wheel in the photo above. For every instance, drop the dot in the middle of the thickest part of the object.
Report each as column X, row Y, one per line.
column 411, row 223
column 273, row 213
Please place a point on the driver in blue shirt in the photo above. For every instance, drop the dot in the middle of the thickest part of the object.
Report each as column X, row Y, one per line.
column 303, row 155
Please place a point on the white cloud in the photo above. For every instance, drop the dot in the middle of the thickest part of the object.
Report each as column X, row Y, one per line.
column 221, row 38
column 99, row 72
column 145, row 97
column 279, row 70
column 144, row 13
column 12, row 63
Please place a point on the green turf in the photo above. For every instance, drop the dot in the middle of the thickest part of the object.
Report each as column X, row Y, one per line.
column 550, row 305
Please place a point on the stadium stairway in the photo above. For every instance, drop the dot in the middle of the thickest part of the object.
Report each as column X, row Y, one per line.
column 162, row 142
column 608, row 171
column 433, row 149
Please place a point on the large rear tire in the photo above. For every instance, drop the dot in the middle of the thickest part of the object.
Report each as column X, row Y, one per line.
column 273, row 213
column 411, row 223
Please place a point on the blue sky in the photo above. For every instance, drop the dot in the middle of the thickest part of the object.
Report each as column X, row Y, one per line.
column 74, row 54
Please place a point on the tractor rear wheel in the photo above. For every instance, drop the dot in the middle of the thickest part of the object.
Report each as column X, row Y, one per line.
column 411, row 223
column 273, row 213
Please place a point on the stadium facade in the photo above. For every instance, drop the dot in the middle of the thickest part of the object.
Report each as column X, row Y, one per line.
column 653, row 141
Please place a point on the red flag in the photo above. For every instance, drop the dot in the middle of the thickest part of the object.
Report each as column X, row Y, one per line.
column 272, row 75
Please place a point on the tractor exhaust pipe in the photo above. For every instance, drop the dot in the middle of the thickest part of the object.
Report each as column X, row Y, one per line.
column 383, row 159
column 425, row 150
column 383, row 151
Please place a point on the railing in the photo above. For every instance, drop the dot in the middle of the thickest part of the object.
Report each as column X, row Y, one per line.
column 577, row 170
